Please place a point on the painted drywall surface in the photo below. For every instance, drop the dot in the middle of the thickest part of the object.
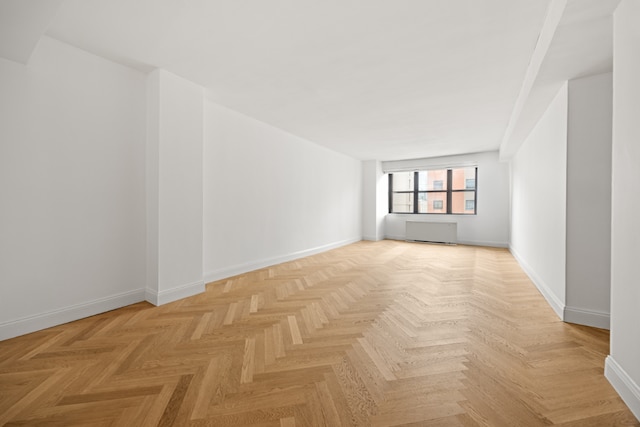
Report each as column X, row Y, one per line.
column 375, row 200
column 369, row 196
column 175, row 142
column 152, row 184
column 538, row 217
column 589, row 199
column 382, row 200
column 72, row 195
column 271, row 196
column 180, row 182
column 625, row 231
column 490, row 226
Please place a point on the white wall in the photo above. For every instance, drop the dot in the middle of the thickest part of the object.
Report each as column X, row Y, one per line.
column 375, row 200
column 174, row 187
column 72, row 194
column 490, row 226
column 589, row 201
column 270, row 196
column 538, row 203
column 623, row 365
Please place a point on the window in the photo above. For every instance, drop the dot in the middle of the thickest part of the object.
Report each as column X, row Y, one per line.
column 470, row 183
column 440, row 191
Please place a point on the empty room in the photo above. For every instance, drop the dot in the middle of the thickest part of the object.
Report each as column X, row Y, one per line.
column 319, row 213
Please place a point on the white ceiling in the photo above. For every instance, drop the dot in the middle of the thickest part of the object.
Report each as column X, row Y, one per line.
column 375, row 79
column 22, row 23
column 582, row 45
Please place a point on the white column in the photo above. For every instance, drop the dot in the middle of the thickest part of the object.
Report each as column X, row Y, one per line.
column 174, row 188
column 375, row 200
column 622, row 367
column 588, row 266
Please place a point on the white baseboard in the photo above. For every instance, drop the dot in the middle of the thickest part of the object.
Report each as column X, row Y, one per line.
column 246, row 267
column 371, row 238
column 170, row 295
column 565, row 313
column 626, row 387
column 580, row 316
column 547, row 293
column 41, row 321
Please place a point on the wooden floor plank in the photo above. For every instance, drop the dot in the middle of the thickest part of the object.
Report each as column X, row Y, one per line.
column 374, row 333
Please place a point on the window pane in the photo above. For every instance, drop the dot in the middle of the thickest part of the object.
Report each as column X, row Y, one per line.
column 464, row 178
column 402, row 202
column 432, row 180
column 422, row 181
column 432, row 202
column 422, row 202
column 403, row 181
column 463, row 202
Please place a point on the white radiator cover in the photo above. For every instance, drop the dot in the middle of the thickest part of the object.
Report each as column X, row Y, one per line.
column 441, row 232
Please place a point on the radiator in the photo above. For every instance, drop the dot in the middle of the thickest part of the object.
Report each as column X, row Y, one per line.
column 441, row 232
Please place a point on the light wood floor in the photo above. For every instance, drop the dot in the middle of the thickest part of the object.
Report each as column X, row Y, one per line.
column 384, row 333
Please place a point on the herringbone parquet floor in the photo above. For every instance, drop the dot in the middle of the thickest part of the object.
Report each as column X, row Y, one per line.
column 375, row 333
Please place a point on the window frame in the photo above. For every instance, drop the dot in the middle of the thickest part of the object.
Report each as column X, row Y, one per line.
column 449, row 193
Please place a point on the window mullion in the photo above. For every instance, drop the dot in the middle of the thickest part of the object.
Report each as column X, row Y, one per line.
column 449, row 188
column 475, row 193
column 415, row 192
column 390, row 193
